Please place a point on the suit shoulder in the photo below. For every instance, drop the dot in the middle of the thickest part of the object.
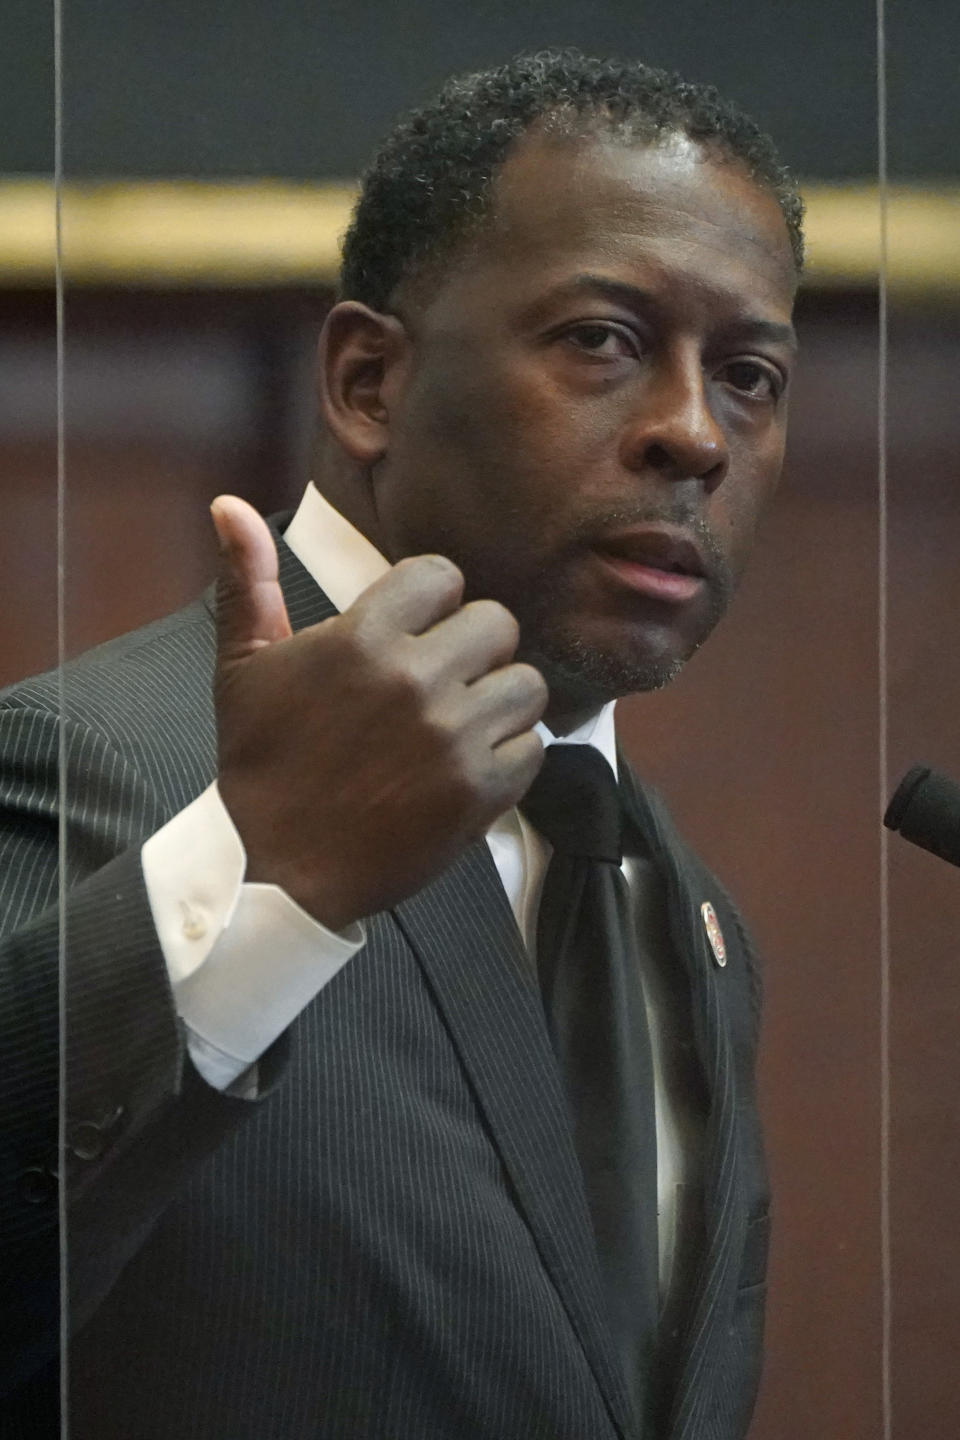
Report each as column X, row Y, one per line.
column 150, row 685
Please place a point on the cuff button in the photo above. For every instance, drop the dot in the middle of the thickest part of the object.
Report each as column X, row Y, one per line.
column 194, row 925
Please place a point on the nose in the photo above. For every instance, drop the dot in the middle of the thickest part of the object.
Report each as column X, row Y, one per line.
column 673, row 430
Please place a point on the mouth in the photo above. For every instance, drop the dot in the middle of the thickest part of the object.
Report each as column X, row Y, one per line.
column 655, row 561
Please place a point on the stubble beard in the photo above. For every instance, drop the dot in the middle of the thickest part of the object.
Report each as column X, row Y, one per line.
column 585, row 675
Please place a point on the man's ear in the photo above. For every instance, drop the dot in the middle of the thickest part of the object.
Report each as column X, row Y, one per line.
column 360, row 356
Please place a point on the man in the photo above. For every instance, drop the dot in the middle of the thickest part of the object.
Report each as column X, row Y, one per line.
column 339, row 1162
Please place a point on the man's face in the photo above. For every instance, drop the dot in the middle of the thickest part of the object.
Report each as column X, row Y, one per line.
column 594, row 410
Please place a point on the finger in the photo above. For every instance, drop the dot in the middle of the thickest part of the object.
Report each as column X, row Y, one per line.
column 250, row 609
column 507, row 702
column 518, row 760
column 474, row 640
column 413, row 595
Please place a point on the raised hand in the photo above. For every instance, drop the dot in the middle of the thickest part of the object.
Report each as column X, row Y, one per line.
column 360, row 756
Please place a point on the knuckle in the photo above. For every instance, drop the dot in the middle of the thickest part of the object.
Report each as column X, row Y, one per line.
column 431, row 572
column 450, row 743
column 410, row 565
column 469, row 790
column 498, row 621
column 531, row 686
column 343, row 639
column 533, row 679
column 363, row 615
column 355, row 649
column 409, row 686
column 479, row 780
column 535, row 753
column 464, row 760
column 526, row 759
column 440, row 565
column 406, row 686
column 359, row 631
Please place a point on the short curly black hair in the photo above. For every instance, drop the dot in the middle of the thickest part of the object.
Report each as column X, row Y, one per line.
column 430, row 184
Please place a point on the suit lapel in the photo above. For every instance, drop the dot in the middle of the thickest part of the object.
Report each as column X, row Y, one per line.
column 463, row 933
column 724, row 1213
column 306, row 603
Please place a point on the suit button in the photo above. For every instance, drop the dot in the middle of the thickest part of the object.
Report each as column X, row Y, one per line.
column 87, row 1139
column 38, row 1186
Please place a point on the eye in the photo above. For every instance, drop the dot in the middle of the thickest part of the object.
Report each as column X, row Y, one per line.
column 603, row 339
column 753, row 378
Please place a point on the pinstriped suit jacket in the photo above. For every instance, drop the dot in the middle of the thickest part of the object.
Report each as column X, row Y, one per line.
column 393, row 1241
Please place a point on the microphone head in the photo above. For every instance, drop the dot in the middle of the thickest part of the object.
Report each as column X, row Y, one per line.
column 925, row 809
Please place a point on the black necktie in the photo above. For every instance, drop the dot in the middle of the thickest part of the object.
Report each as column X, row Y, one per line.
column 588, row 964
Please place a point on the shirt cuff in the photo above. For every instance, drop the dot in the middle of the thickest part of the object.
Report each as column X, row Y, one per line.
column 243, row 959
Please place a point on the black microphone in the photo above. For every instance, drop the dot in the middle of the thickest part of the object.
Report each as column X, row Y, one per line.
column 925, row 808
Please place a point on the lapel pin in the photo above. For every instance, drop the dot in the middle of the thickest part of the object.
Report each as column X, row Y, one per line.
column 714, row 934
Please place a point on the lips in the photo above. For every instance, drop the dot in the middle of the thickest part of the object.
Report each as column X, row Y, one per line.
column 656, row 562
column 657, row 548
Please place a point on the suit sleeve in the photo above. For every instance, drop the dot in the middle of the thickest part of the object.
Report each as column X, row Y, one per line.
column 244, row 960
column 136, row 1117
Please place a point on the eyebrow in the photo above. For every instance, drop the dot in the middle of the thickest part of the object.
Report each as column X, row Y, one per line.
column 635, row 298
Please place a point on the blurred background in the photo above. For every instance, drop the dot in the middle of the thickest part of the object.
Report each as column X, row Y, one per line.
column 210, row 154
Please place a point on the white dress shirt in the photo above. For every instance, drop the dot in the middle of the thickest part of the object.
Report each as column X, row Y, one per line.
column 245, row 959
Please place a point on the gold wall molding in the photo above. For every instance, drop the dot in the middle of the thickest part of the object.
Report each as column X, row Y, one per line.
column 189, row 234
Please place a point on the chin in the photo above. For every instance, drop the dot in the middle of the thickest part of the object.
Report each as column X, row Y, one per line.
column 589, row 677
column 596, row 654
column 592, row 659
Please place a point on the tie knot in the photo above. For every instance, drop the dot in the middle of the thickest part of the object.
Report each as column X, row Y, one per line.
column 574, row 803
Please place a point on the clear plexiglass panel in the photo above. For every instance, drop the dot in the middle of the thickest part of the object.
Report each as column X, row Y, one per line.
column 341, row 1243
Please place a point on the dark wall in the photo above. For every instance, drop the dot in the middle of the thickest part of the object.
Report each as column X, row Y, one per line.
column 27, row 86
column 305, row 89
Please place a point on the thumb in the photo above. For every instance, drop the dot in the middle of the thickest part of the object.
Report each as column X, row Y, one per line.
column 250, row 608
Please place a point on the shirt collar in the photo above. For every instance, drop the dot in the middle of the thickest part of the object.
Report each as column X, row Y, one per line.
column 344, row 563
column 332, row 551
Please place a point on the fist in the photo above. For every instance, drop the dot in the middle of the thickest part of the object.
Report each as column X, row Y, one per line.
column 359, row 757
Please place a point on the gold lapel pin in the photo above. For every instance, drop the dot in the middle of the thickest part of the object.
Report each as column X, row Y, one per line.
column 714, row 934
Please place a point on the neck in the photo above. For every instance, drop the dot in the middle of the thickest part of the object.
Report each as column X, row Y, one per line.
column 572, row 702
